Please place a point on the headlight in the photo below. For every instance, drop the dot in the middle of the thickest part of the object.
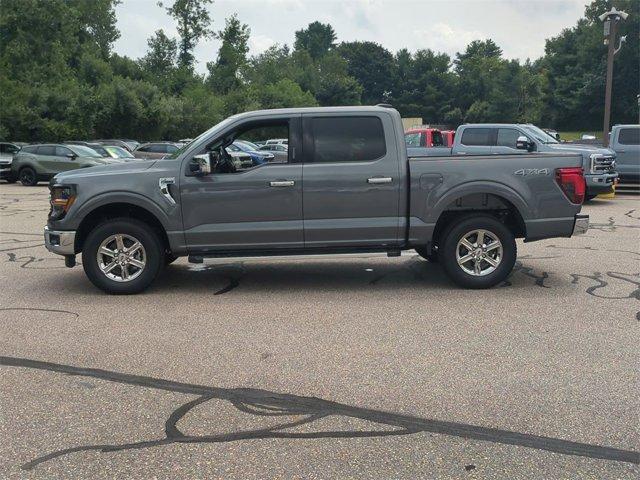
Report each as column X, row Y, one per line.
column 61, row 199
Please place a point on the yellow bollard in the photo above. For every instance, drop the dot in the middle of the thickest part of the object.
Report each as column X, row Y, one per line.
column 609, row 195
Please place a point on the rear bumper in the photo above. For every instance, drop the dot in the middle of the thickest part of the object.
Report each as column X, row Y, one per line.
column 60, row 242
column 602, row 183
column 580, row 225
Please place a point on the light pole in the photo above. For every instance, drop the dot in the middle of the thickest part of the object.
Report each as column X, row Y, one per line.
column 611, row 20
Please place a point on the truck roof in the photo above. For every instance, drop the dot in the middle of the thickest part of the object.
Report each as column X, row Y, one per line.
column 300, row 110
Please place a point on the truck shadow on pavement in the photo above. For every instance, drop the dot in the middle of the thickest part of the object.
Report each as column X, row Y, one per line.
column 264, row 403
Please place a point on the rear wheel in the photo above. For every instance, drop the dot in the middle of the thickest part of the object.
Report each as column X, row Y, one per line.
column 478, row 252
column 588, row 198
column 28, row 177
column 122, row 256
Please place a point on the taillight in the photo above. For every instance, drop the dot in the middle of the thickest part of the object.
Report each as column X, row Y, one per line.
column 571, row 181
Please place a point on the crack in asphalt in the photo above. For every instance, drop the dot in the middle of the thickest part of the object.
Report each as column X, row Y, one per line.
column 267, row 403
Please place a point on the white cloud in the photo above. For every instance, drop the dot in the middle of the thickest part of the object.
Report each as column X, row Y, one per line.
column 259, row 43
column 442, row 37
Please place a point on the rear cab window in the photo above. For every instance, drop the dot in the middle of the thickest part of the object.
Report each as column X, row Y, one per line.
column 347, row 139
column 477, row 137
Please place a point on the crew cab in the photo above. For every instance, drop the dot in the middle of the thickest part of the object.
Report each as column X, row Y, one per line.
column 599, row 163
column 625, row 141
column 347, row 185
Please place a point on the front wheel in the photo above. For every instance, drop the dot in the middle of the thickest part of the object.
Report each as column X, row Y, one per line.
column 28, row 177
column 478, row 252
column 122, row 256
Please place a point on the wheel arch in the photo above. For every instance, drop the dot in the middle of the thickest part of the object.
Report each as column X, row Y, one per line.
column 98, row 212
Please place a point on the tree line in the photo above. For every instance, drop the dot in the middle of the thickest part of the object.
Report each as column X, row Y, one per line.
column 60, row 78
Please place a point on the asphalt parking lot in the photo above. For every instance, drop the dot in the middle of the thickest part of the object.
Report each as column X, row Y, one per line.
column 358, row 367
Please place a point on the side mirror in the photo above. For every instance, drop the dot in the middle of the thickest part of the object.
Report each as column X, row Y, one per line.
column 72, row 156
column 200, row 165
column 523, row 143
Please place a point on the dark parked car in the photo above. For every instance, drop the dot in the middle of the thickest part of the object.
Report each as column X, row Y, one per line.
column 155, row 149
column 36, row 163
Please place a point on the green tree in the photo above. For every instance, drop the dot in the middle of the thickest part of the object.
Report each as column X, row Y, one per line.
column 194, row 23
column 373, row 67
column 317, row 39
column 224, row 73
column 575, row 69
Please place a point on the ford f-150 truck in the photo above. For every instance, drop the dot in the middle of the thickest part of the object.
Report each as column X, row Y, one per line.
column 625, row 141
column 347, row 186
column 598, row 163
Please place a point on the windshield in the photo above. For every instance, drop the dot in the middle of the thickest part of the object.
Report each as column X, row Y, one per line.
column 118, row 152
column 83, row 151
column 540, row 134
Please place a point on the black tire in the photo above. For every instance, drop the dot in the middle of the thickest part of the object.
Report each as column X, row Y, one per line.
column 456, row 231
column 132, row 229
column 431, row 257
column 28, row 177
column 588, row 198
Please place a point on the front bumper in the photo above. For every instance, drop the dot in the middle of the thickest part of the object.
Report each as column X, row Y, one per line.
column 580, row 225
column 5, row 170
column 60, row 242
column 602, row 183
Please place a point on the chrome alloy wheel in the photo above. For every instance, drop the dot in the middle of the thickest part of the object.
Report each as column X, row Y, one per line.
column 479, row 252
column 121, row 257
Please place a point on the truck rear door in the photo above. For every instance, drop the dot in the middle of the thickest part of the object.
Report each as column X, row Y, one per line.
column 476, row 141
column 627, row 147
column 351, row 180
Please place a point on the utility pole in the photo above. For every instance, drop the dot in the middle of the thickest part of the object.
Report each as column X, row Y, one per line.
column 611, row 20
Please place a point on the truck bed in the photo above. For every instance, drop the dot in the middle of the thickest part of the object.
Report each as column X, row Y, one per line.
column 465, row 182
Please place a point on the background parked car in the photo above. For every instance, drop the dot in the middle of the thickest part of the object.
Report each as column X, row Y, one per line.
column 119, row 152
column 155, row 149
column 126, row 144
column 7, row 152
column 251, row 149
column 277, row 141
column 279, row 151
column 97, row 147
column 35, row 163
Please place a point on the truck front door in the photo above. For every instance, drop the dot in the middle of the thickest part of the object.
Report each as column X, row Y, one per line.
column 351, row 180
column 246, row 207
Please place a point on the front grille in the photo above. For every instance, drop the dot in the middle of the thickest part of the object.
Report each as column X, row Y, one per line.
column 603, row 163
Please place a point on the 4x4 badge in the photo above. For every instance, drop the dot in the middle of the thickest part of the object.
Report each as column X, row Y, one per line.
column 532, row 171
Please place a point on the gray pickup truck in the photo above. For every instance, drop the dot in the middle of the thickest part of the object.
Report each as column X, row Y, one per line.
column 625, row 141
column 348, row 186
column 598, row 163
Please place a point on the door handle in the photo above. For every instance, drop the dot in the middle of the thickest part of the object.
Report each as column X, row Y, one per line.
column 282, row 183
column 379, row 180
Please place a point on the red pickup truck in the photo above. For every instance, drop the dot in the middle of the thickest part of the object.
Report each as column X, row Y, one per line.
column 428, row 137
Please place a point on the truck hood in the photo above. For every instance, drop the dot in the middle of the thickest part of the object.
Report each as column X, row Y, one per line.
column 114, row 168
column 584, row 149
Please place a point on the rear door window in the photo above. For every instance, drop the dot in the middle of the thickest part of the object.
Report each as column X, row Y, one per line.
column 348, row 139
column 478, row 137
column 629, row 136
column 47, row 150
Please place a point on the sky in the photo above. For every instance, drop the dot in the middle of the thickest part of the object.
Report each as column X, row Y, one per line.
column 519, row 27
